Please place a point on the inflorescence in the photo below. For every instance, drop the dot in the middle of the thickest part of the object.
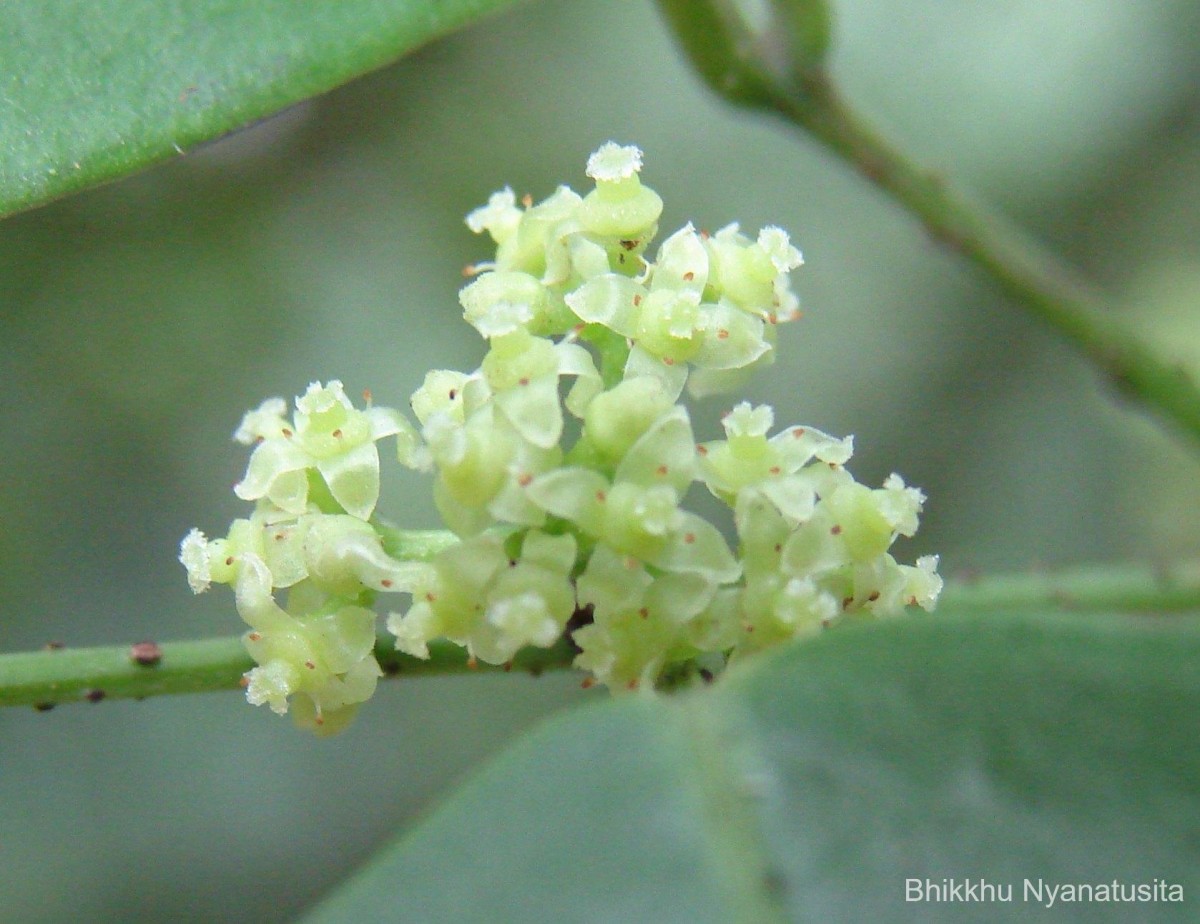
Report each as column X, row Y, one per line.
column 566, row 499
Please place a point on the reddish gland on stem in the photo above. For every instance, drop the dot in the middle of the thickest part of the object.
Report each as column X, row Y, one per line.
column 145, row 653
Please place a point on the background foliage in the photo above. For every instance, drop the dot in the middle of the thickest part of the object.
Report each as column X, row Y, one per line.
column 141, row 319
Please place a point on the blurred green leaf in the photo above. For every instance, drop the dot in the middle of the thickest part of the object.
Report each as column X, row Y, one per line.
column 91, row 91
column 811, row 785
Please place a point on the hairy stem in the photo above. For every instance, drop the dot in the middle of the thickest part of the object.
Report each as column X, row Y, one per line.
column 1027, row 274
column 63, row 675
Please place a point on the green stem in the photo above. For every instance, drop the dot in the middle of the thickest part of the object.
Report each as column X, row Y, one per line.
column 1112, row 589
column 63, row 675
column 1027, row 273
column 413, row 544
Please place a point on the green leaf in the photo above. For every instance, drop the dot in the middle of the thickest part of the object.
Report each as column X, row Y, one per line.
column 813, row 783
column 95, row 89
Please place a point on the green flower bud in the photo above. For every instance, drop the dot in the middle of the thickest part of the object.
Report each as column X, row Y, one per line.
column 776, row 608
column 753, row 275
column 640, row 621
column 328, row 435
column 616, row 419
column 500, row 217
column 498, row 303
column 668, row 325
column 441, row 393
column 478, row 598
column 541, row 244
column 619, row 206
column 344, row 555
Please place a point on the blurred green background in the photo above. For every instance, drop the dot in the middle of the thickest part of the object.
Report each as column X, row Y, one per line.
column 140, row 320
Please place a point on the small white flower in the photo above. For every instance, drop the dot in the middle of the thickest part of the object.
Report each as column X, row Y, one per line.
column 612, row 162
column 776, row 245
column 499, row 217
column 330, row 435
column 193, row 555
column 265, row 421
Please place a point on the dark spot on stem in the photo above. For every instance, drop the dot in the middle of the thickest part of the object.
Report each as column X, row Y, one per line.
column 147, row 654
column 94, row 696
column 43, row 707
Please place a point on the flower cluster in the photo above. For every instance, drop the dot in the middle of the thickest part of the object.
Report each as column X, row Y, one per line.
column 315, row 482
column 561, row 465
